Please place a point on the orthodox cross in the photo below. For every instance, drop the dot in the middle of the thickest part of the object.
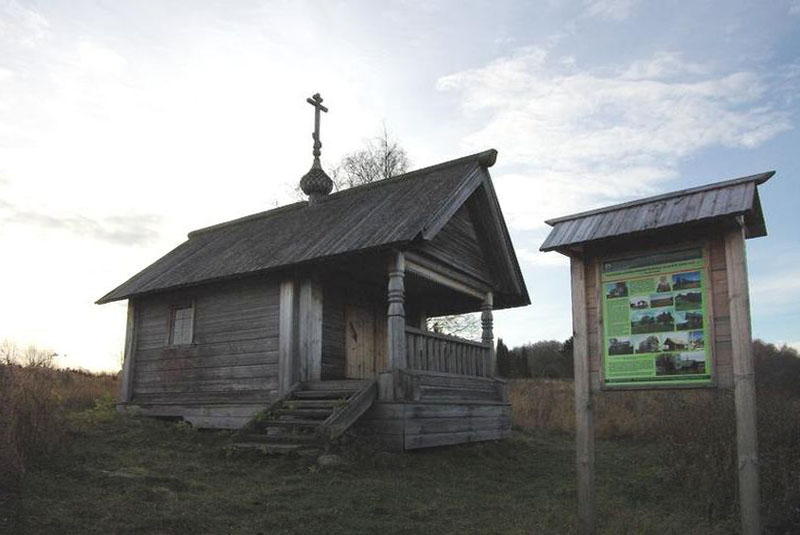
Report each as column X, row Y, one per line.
column 316, row 101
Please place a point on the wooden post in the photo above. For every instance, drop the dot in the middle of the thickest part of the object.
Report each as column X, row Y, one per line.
column 487, row 335
column 286, row 338
column 744, row 383
column 396, row 319
column 126, row 375
column 584, row 411
column 310, row 330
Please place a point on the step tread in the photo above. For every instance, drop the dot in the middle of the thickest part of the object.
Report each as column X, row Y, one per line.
column 312, row 403
column 322, row 394
column 306, row 412
column 298, row 422
column 337, row 384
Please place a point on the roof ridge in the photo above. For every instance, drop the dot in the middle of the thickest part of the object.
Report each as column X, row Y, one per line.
column 758, row 178
column 485, row 159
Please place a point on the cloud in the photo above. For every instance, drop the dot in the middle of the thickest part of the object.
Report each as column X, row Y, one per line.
column 20, row 25
column 610, row 9
column 794, row 7
column 578, row 138
column 128, row 230
column 540, row 259
column 776, row 290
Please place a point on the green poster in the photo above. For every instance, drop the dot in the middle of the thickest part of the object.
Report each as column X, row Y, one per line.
column 655, row 320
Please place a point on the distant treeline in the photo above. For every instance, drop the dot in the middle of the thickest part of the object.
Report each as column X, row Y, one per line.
column 777, row 367
column 549, row 359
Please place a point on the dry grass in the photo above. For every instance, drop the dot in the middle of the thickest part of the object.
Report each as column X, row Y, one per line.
column 693, row 432
column 33, row 402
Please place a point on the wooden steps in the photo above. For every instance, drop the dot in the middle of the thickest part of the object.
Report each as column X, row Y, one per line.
column 309, row 416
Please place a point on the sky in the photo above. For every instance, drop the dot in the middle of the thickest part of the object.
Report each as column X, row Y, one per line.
column 124, row 125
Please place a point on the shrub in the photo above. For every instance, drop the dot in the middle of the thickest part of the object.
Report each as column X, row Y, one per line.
column 34, row 398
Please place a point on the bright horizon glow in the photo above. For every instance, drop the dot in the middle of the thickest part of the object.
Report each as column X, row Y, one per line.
column 125, row 126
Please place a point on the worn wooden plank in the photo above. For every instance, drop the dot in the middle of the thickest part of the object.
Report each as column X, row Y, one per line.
column 210, row 385
column 333, row 333
column 126, row 375
column 422, row 426
column 584, row 425
column 310, row 307
column 458, row 394
column 458, row 245
column 287, row 376
column 263, row 395
column 446, row 439
column 343, row 417
column 744, row 391
column 189, row 375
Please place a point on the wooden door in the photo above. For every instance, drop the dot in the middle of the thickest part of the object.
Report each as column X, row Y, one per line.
column 365, row 341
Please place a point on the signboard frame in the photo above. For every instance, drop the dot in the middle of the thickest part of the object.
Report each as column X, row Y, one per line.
column 709, row 316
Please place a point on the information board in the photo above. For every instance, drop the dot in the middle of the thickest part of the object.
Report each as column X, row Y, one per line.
column 655, row 320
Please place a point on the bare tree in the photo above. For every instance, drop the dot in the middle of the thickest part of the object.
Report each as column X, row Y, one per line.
column 381, row 158
column 463, row 325
column 9, row 352
column 33, row 357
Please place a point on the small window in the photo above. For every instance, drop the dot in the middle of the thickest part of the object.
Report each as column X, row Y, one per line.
column 182, row 325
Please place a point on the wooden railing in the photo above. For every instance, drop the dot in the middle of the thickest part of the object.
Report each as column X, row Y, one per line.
column 435, row 352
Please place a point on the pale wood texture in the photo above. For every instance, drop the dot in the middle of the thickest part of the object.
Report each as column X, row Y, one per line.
column 126, row 375
column 310, row 308
column 396, row 315
column 413, row 425
column 418, row 385
column 428, row 269
column 287, row 342
column 442, row 353
column 234, row 350
column 459, row 245
column 744, row 390
column 584, row 417
column 346, row 415
column 487, row 334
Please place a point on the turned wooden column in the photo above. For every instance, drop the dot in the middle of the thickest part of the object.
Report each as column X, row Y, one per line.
column 396, row 318
column 487, row 335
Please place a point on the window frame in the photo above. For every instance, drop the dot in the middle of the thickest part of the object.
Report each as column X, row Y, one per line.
column 173, row 310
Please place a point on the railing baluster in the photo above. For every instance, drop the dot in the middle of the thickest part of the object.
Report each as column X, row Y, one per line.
column 442, row 353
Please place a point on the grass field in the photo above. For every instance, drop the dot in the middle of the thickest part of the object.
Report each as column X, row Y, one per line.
column 131, row 475
column 666, row 463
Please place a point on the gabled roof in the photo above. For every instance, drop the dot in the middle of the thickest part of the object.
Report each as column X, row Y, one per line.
column 719, row 200
column 382, row 214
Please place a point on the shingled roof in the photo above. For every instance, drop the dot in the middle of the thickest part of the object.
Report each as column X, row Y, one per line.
column 707, row 203
column 378, row 215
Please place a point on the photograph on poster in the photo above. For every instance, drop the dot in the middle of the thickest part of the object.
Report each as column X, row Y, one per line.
column 655, row 313
column 688, row 320
column 682, row 281
column 661, row 300
column 616, row 289
column 652, row 321
column 688, row 300
column 620, row 346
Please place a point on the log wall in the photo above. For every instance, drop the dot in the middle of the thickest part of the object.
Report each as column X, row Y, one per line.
column 233, row 358
column 440, row 409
